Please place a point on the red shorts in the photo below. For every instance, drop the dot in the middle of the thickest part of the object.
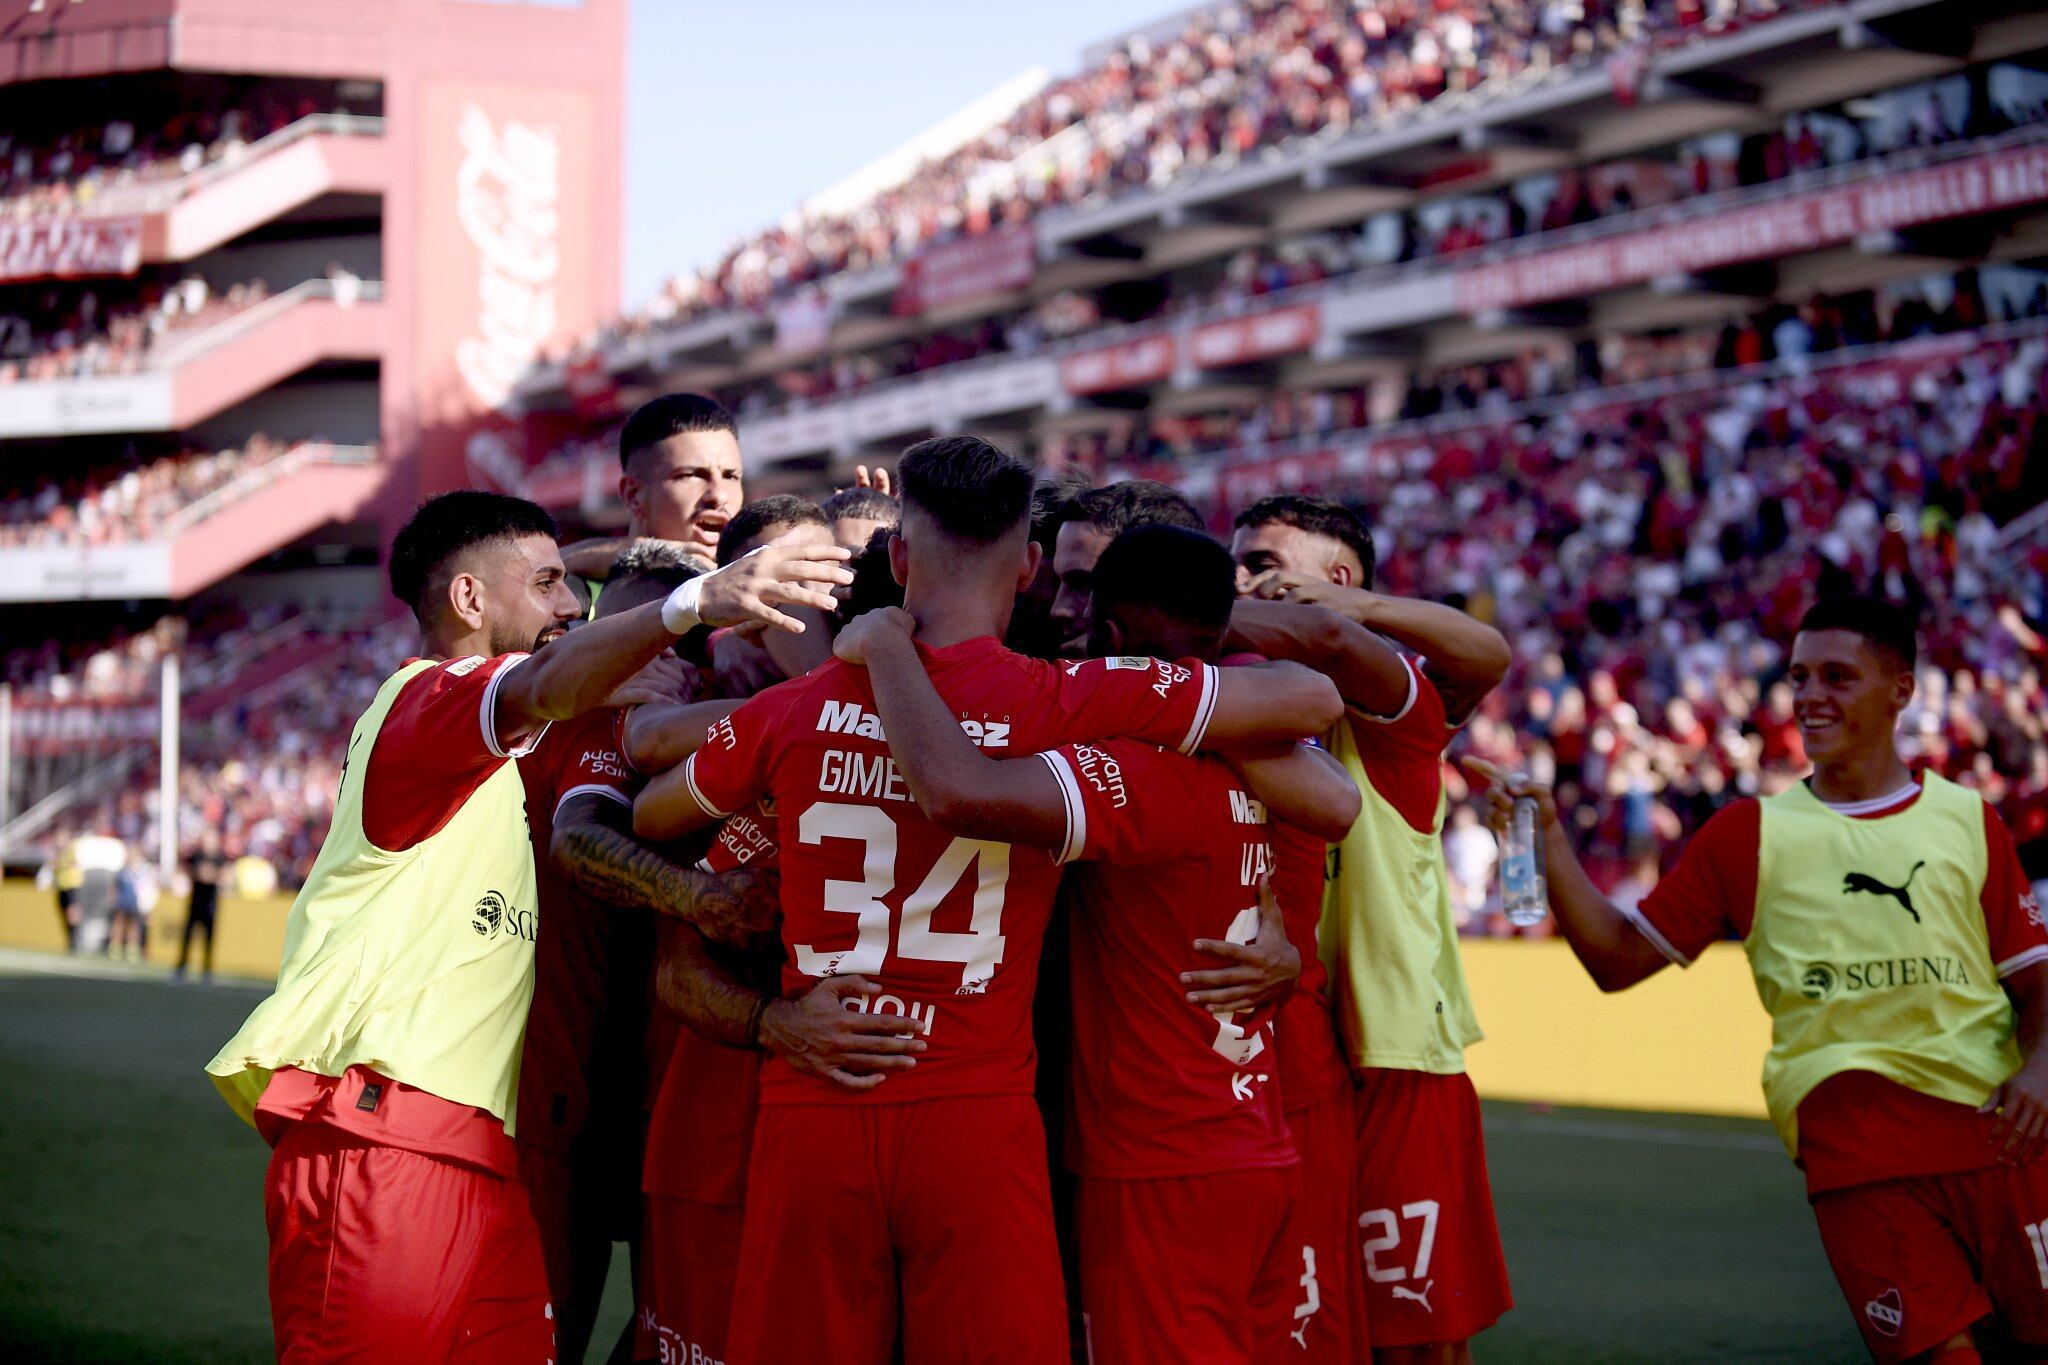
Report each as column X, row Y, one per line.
column 1186, row 1267
column 1434, row 1269
column 1921, row 1259
column 933, row 1214
column 1325, row 1321
column 572, row 1212
column 380, row 1254
column 689, row 1259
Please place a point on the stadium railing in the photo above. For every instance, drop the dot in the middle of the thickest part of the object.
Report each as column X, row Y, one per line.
column 1369, row 290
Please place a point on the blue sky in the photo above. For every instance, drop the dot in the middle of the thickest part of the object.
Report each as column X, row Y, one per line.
column 738, row 109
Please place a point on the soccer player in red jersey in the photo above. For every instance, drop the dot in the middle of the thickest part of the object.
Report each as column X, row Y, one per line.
column 1175, row 1122
column 901, row 1204
column 1088, row 524
column 580, row 1074
column 1433, row 1272
column 1902, row 957
column 383, row 1067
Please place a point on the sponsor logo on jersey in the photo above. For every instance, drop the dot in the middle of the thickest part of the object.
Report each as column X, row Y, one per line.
column 1887, row 1313
column 850, row 718
column 1128, row 661
column 463, row 667
column 1246, row 809
column 1103, row 773
column 603, row 763
column 722, row 733
column 1862, row 883
column 2031, row 903
column 494, row 917
column 1824, row 980
column 1421, row 1296
column 987, row 734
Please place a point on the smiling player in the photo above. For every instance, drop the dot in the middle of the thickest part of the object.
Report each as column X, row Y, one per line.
column 1903, row 961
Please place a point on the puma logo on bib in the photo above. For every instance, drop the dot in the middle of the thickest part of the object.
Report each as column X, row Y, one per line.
column 1863, row 883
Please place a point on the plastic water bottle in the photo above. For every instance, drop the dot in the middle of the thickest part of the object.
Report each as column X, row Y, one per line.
column 1524, row 899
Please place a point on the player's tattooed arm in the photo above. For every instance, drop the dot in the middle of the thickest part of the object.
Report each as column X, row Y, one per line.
column 1368, row 672
column 660, row 736
column 957, row 786
column 1302, row 786
column 2019, row 1129
column 701, row 991
column 1615, row 952
column 594, row 851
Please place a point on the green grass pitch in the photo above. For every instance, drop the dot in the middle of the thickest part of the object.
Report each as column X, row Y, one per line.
column 132, row 1224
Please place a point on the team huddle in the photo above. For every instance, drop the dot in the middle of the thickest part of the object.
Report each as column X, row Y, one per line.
column 737, row 923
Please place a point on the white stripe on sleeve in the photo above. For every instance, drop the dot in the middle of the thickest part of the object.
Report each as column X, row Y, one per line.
column 696, row 792
column 1205, row 710
column 1657, row 940
column 1077, row 810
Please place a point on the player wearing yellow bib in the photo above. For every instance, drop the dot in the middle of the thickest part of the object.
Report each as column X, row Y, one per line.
column 384, row 1068
column 1421, row 1210
column 1901, row 955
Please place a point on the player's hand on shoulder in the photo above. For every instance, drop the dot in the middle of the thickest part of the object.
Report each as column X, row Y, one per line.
column 817, row 1034
column 1503, row 789
column 740, row 909
column 854, row 639
column 789, row 570
column 664, row 679
column 1261, row 972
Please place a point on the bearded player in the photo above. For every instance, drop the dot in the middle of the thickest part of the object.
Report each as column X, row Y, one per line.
column 383, row 1069
column 1901, row 955
column 1187, row 1174
column 903, row 1204
column 1434, row 1272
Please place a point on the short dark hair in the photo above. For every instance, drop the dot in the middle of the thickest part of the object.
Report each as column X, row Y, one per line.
column 651, row 584
column 1118, row 507
column 1180, row 573
column 972, row 489
column 751, row 521
column 672, row 414
column 1891, row 626
column 1053, row 498
column 443, row 527
column 870, row 504
column 874, row 582
column 1317, row 516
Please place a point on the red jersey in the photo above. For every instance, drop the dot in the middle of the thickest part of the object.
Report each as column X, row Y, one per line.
column 1175, row 851
column 703, row 1118
column 1855, row 1127
column 1312, row 1064
column 949, row 928
column 590, row 959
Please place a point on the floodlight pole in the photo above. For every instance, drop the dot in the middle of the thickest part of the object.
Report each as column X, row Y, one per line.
column 167, row 775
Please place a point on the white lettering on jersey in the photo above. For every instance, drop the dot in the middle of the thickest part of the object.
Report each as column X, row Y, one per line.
column 1246, row 809
column 855, row 774
column 604, row 762
column 1103, row 773
column 920, row 1012
column 1254, row 863
column 850, row 718
column 988, row 734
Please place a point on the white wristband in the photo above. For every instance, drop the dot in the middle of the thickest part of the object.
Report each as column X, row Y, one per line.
column 679, row 613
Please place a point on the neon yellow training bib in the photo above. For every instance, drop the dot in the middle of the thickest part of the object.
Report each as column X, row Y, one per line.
column 1389, row 936
column 417, row 964
column 1870, row 951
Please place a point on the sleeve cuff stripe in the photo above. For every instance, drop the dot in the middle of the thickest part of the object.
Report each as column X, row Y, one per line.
column 696, row 792
column 1077, row 811
column 1414, row 690
column 1657, row 940
column 1205, row 709
column 2020, row 961
column 592, row 789
column 490, row 715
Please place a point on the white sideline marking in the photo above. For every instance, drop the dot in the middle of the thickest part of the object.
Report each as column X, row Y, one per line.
column 22, row 961
column 1630, row 1132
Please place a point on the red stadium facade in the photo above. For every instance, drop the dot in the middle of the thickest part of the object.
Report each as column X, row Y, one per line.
column 268, row 273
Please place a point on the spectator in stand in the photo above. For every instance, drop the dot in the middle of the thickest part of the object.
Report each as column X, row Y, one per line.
column 205, row 870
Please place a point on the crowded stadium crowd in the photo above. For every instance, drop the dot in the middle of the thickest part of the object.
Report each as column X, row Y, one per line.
column 90, row 163
column 113, row 505
column 1235, row 79
column 67, row 333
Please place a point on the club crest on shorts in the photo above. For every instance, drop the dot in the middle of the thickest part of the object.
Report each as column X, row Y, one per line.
column 1887, row 1313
